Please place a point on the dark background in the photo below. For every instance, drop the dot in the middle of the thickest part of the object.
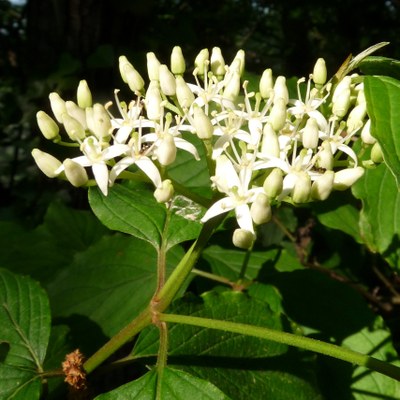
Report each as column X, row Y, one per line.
column 48, row 45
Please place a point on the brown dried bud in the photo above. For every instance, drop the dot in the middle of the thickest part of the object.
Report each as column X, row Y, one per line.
column 72, row 367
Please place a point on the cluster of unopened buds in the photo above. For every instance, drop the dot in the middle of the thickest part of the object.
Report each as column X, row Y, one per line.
column 262, row 147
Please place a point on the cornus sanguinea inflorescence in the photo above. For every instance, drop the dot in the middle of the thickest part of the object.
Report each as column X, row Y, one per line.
column 263, row 147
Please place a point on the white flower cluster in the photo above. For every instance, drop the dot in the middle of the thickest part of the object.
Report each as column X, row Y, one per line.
column 262, row 147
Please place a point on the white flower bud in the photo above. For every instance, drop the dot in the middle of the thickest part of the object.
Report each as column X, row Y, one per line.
column 319, row 72
column 84, row 95
column 202, row 124
column 74, row 129
column 240, row 61
column 376, row 153
column 153, row 66
column 344, row 84
column 342, row 103
column 366, row 136
column 133, row 78
column 101, row 122
column 356, row 117
column 266, row 85
column 277, row 116
column 322, row 186
column 166, row 151
column 217, row 62
column 281, row 90
column 183, row 93
column 302, row 188
column 46, row 163
column 270, row 142
column 325, row 156
column 47, row 126
column 347, row 177
column 75, row 173
column 260, row 210
column 57, row 106
column 76, row 112
column 243, row 239
column 167, row 81
column 232, row 88
column 178, row 65
column 153, row 103
column 310, row 136
column 273, row 184
column 122, row 62
column 165, row 192
column 201, row 62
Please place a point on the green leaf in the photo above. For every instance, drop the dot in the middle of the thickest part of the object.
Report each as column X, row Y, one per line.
column 376, row 65
column 25, row 327
column 131, row 208
column 241, row 366
column 362, row 383
column 118, row 273
column 176, row 385
column 379, row 218
column 383, row 99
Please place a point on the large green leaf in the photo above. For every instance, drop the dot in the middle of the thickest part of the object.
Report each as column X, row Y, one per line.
column 24, row 335
column 110, row 283
column 383, row 99
column 379, row 218
column 377, row 65
column 131, row 208
column 241, row 366
column 176, row 385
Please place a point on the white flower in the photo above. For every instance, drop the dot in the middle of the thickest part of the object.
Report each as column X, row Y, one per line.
column 236, row 187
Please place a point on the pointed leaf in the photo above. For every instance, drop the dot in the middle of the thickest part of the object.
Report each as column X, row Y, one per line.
column 377, row 65
column 132, row 208
column 383, row 99
column 25, row 327
column 176, row 385
column 117, row 273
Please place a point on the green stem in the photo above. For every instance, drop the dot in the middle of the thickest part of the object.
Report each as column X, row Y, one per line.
column 162, row 356
column 165, row 297
column 245, row 263
column 213, row 277
column 290, row 339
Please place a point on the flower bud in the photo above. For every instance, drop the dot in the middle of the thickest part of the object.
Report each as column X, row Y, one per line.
column 260, row 210
column 101, row 122
column 75, row 173
column 183, row 93
column 240, row 60
column 302, row 188
column 322, row 187
column 311, row 134
column 166, row 151
column 201, row 62
column 76, row 112
column 46, row 163
column 153, row 103
column 243, row 239
column 281, row 90
column 202, row 124
column 347, row 177
column 153, row 66
column 344, row 84
column 167, row 81
column 164, row 193
column 325, row 156
column 319, row 72
column 232, row 88
column 84, row 95
column 133, row 78
column 376, row 153
column 273, row 184
column 366, row 136
column 178, row 65
column 74, row 129
column 47, row 126
column 270, row 142
column 342, row 103
column 122, row 62
column 356, row 117
column 217, row 63
column 277, row 116
column 266, row 85
column 57, row 106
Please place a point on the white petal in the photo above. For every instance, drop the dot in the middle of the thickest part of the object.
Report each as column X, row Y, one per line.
column 220, row 207
column 148, row 167
column 114, row 151
column 100, row 172
column 243, row 217
column 119, row 167
column 187, row 146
